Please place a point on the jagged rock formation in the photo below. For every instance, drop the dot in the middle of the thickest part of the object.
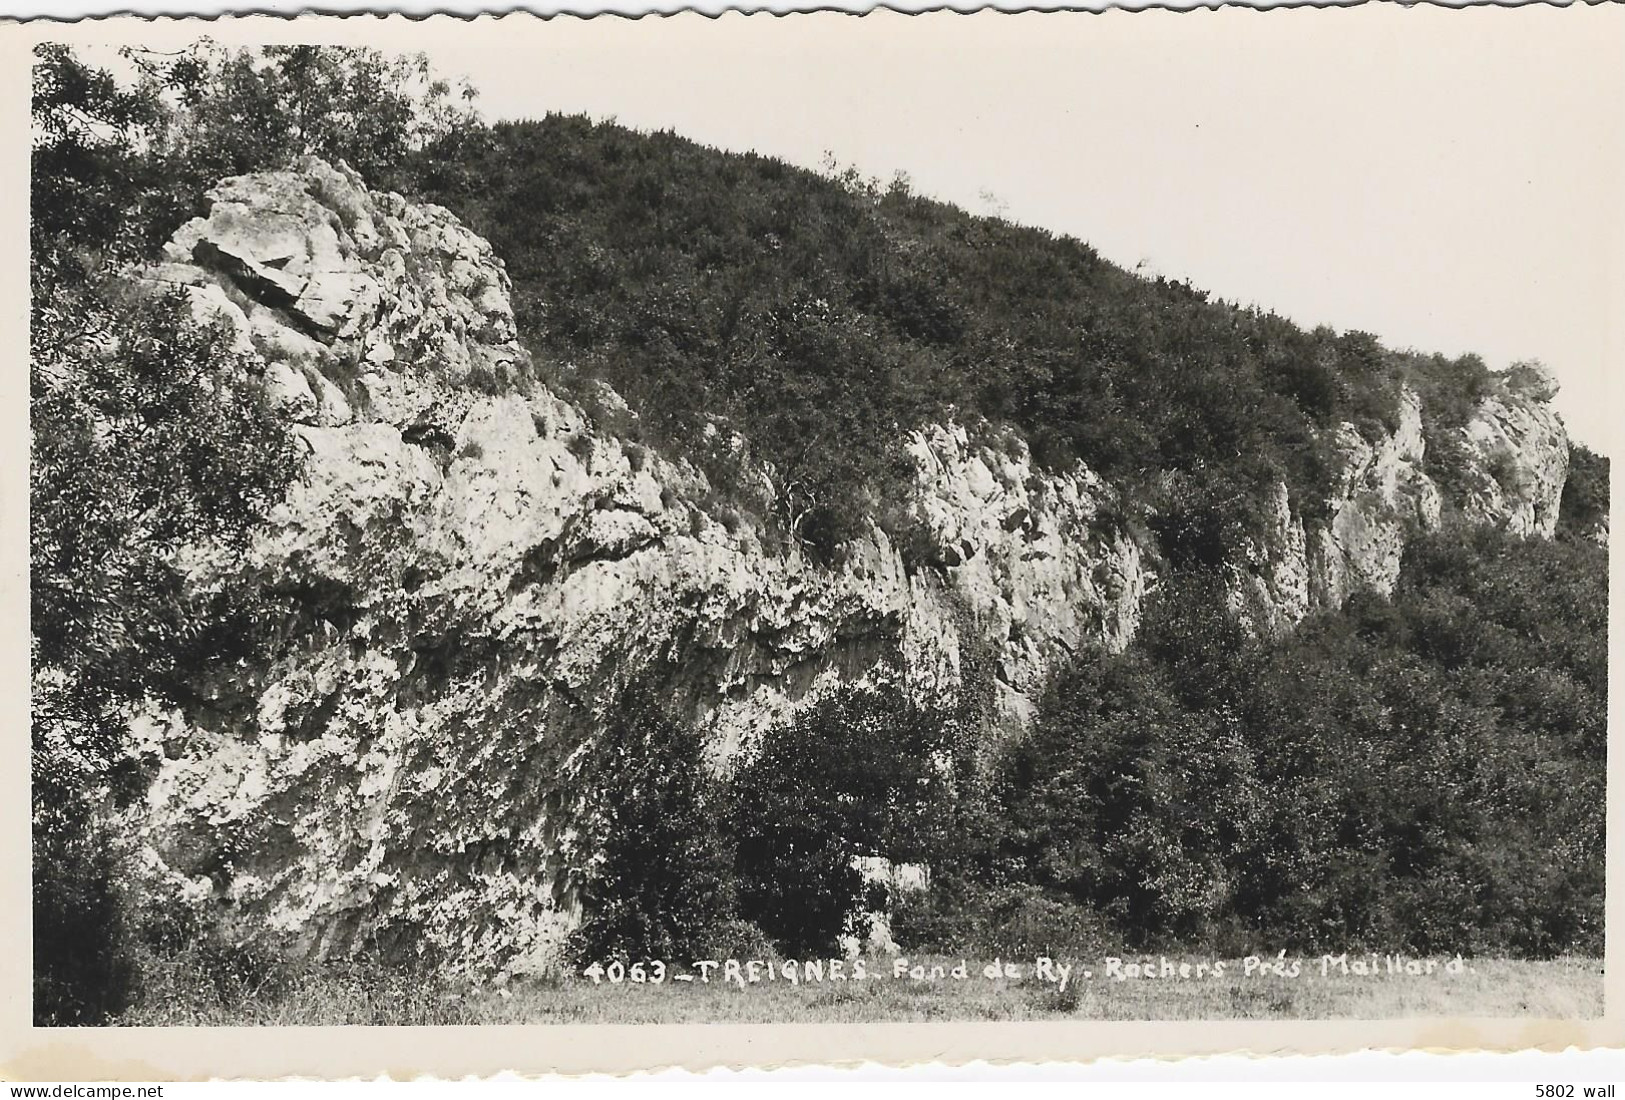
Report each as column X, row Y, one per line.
column 1517, row 455
column 480, row 569
column 1522, row 456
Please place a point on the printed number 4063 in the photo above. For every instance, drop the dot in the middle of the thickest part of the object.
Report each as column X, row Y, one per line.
column 617, row 972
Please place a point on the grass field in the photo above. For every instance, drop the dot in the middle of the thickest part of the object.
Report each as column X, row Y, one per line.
column 1566, row 988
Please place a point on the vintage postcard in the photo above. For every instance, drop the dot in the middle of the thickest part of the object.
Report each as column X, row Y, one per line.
column 591, row 545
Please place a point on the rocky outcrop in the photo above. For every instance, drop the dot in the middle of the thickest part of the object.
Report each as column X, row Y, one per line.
column 1520, row 456
column 1032, row 558
column 476, row 571
column 1381, row 495
column 481, row 570
column 1515, row 457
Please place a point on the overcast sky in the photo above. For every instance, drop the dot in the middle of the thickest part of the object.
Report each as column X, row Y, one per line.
column 1449, row 180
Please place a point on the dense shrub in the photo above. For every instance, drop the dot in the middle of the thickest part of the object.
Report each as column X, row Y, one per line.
column 738, row 939
column 1451, row 390
column 1584, row 507
column 762, row 862
column 84, row 966
column 662, row 888
column 204, row 113
column 1137, row 792
column 1423, row 773
column 183, row 958
column 862, row 772
column 147, row 436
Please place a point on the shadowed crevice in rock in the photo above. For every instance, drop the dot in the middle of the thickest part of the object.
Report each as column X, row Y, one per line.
column 254, row 279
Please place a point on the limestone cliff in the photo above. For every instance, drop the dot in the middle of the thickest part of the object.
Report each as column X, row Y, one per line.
column 478, row 569
column 1516, row 453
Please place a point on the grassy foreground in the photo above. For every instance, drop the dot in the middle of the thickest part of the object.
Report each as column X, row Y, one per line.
column 1567, row 988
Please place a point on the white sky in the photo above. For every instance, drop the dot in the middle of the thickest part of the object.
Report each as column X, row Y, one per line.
column 1449, row 180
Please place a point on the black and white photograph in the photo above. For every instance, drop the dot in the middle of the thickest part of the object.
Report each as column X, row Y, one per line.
column 1054, row 517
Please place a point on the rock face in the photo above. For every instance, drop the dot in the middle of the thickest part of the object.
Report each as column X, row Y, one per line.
column 479, row 570
column 1522, row 461
column 1029, row 555
column 485, row 570
column 1516, row 453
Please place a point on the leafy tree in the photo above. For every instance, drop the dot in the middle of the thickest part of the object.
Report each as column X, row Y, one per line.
column 822, row 317
column 148, row 440
column 1136, row 793
column 1420, row 773
column 152, row 442
column 158, row 441
column 236, row 111
column 87, row 171
column 663, row 886
column 862, row 772
column 1583, row 510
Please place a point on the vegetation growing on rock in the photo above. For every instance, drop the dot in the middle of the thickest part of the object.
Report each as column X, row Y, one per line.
column 923, row 538
column 824, row 318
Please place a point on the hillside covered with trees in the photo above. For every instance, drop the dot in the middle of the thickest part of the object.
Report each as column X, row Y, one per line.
column 822, row 317
column 1419, row 772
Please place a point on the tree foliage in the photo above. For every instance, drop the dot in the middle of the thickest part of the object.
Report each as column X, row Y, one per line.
column 663, row 885
column 1420, row 772
column 688, row 858
column 1423, row 773
column 823, row 316
column 147, row 442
